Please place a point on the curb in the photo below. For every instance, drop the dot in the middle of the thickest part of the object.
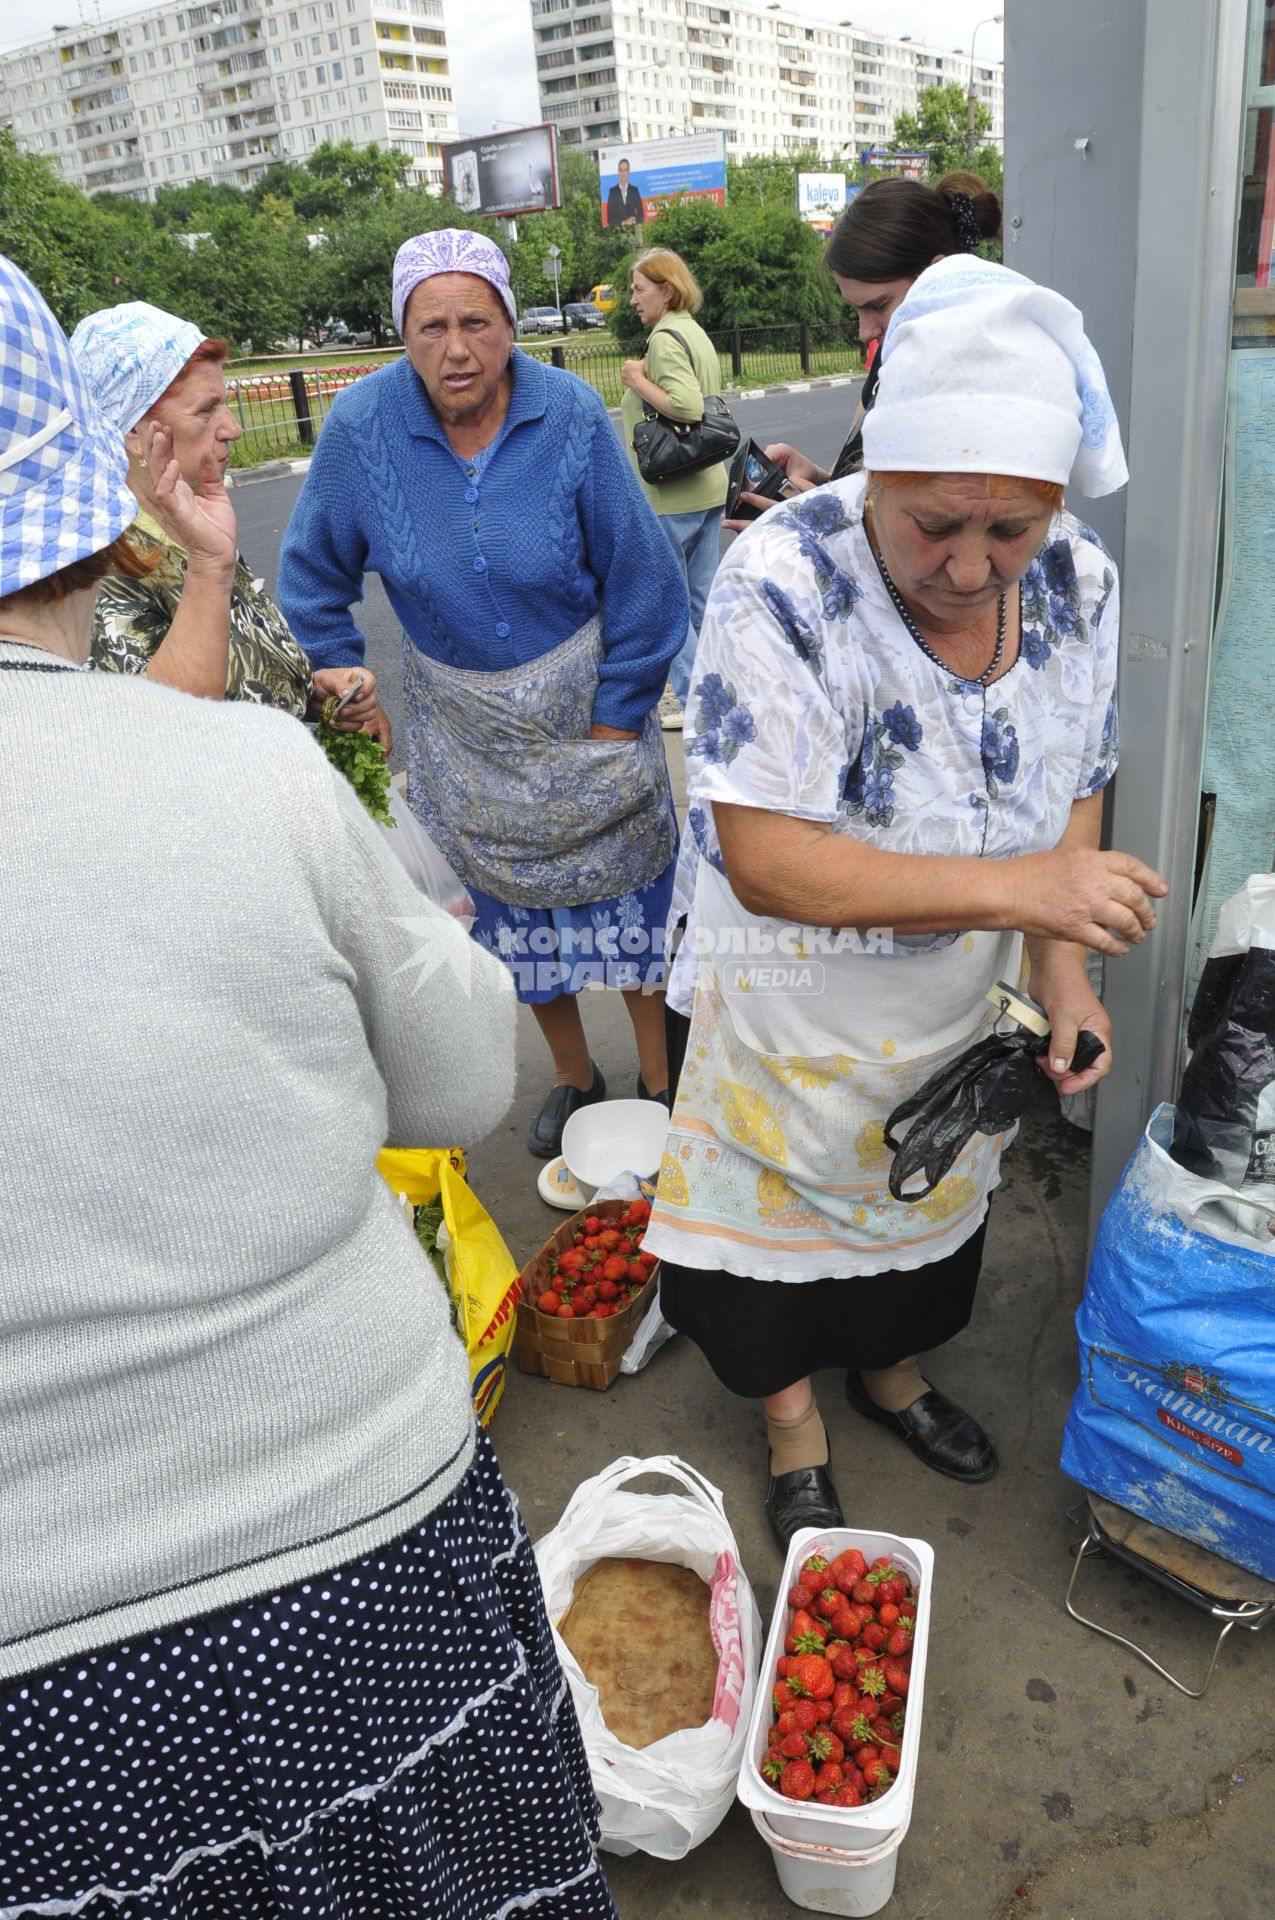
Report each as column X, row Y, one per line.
column 283, row 469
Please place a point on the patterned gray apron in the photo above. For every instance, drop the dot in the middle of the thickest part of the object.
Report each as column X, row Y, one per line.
column 502, row 773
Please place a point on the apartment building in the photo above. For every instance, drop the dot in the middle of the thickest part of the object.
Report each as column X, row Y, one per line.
column 218, row 91
column 771, row 79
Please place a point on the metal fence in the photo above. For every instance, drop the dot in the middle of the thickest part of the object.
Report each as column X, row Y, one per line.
column 282, row 411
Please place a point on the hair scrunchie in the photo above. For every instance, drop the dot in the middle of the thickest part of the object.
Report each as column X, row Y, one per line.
column 968, row 232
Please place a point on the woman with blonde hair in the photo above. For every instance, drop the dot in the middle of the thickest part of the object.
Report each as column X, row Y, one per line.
column 680, row 366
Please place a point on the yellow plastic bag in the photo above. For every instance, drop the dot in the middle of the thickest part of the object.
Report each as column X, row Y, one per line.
column 483, row 1280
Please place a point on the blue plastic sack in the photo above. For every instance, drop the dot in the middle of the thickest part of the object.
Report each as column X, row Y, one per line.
column 1174, row 1416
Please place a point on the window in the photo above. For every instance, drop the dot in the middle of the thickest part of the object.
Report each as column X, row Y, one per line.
column 354, row 36
column 321, row 76
column 297, row 50
column 316, row 43
column 334, row 41
column 336, row 69
column 358, row 66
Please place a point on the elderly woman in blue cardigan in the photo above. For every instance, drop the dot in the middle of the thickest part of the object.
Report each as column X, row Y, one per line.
column 541, row 606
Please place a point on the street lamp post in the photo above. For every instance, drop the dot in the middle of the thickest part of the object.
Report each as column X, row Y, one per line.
column 992, row 20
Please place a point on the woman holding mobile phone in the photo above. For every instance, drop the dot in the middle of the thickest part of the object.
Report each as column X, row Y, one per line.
column 891, row 233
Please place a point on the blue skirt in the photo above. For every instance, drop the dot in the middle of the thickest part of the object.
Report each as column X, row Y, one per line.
column 393, row 1740
column 556, row 950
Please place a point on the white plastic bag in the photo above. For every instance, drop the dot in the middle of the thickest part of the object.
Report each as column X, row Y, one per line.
column 655, row 1329
column 425, row 865
column 666, row 1798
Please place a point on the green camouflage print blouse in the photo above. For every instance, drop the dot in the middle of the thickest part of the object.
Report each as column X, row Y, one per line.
column 132, row 617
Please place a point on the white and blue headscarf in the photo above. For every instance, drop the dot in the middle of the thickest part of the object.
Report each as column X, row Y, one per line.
column 449, row 250
column 63, row 491
column 130, row 355
column 983, row 371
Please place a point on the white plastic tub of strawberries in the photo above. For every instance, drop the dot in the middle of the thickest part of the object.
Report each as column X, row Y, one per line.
column 844, row 1855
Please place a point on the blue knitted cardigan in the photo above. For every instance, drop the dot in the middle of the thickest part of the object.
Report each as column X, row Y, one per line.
column 487, row 563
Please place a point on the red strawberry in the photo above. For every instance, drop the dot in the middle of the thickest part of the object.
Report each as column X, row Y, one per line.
column 797, row 1781
column 844, row 1695
column 785, row 1695
column 864, row 1757
column 794, row 1745
column 568, row 1313
column 593, row 1224
column 773, row 1765
column 888, row 1615
column 640, row 1210
column 832, row 1746
column 874, row 1637
column 845, row 1723
column 861, row 1731
column 872, row 1681
column 607, row 1290
column 814, row 1675
column 889, row 1705
column 844, row 1623
column 806, row 1715
column 637, row 1273
column 823, row 1709
column 549, row 1302
column 898, row 1642
column 847, row 1568
column 854, row 1776
column 615, row 1267
column 893, row 1758
column 786, row 1723
column 878, row 1775
column 896, row 1676
column 844, row 1663
column 649, row 1259
column 609, row 1239
column 864, row 1592
column 847, row 1795
column 801, row 1597
column 829, row 1777
column 827, row 1603
column 882, row 1731
column 815, row 1566
column 805, row 1633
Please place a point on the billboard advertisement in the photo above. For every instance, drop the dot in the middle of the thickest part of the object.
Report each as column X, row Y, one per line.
column 820, row 198
column 637, row 179
column 911, row 165
column 504, row 173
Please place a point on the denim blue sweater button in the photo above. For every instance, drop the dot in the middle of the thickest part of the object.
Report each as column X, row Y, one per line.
column 502, row 629
column 480, row 565
column 471, row 494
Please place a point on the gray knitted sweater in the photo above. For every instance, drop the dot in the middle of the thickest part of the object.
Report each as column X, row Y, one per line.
column 225, row 1363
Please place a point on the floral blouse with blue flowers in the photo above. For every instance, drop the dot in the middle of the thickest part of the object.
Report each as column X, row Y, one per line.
column 811, row 699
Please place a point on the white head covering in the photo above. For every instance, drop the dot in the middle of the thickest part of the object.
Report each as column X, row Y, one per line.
column 983, row 371
column 130, row 355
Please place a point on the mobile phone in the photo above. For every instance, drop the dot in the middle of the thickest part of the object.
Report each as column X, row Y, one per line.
column 348, row 695
column 752, row 472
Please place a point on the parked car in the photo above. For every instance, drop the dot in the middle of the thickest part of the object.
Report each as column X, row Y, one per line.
column 582, row 313
column 541, row 320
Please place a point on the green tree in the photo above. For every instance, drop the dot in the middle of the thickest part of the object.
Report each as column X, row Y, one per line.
column 940, row 127
column 336, row 180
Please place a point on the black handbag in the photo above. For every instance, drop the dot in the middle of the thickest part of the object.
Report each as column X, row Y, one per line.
column 667, row 449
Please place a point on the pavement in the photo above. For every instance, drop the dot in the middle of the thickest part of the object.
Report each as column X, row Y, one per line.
column 1060, row 1778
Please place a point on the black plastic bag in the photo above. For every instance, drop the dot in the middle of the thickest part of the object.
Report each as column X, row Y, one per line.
column 1224, row 1123
column 982, row 1091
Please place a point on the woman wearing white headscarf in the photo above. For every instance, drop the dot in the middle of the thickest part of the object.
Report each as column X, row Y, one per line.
column 904, row 718
column 194, row 621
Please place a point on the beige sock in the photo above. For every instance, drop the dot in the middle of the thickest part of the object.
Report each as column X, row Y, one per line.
column 797, row 1443
column 895, row 1388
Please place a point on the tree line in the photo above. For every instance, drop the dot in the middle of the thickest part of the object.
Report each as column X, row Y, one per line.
column 314, row 242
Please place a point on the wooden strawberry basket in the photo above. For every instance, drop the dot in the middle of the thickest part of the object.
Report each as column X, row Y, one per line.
column 576, row 1353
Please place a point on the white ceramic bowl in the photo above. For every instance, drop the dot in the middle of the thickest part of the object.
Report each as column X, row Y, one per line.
column 614, row 1137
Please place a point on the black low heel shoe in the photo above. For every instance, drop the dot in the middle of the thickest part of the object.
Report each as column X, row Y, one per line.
column 804, row 1498
column 936, row 1430
column 545, row 1137
column 664, row 1099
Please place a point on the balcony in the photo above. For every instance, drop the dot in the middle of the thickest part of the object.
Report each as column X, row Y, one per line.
column 91, row 78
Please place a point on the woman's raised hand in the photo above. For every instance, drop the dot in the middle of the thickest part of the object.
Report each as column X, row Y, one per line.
column 203, row 523
column 1099, row 900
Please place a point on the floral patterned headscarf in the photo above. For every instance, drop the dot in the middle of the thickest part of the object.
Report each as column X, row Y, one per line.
column 449, row 250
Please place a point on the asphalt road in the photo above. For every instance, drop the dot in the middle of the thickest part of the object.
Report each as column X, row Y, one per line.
column 816, row 422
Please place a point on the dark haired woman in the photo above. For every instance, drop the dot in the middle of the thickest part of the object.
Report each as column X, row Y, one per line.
column 892, row 232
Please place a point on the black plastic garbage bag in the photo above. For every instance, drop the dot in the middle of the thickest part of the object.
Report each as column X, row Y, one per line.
column 1224, row 1123
column 982, row 1091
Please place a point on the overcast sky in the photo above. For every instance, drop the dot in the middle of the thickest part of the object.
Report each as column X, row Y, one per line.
column 490, row 40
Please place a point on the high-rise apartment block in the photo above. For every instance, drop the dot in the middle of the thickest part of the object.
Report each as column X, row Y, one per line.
column 772, row 80
column 177, row 93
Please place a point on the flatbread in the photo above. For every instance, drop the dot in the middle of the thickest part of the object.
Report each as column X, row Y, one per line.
column 639, row 1630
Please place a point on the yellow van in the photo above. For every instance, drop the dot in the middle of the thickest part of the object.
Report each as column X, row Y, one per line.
column 604, row 298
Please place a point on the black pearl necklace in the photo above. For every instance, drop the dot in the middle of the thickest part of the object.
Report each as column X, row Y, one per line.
column 900, row 607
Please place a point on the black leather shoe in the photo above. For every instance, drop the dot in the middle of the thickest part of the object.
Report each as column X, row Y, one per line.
column 545, row 1137
column 938, row 1432
column 804, row 1498
column 665, row 1099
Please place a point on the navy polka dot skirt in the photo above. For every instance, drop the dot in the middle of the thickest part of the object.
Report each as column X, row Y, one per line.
column 393, row 1740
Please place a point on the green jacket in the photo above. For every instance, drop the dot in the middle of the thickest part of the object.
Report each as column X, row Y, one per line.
column 685, row 384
